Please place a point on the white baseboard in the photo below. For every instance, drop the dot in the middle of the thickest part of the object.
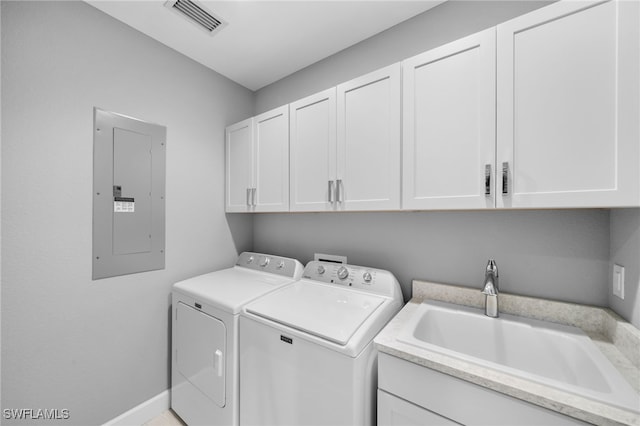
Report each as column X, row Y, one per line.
column 144, row 412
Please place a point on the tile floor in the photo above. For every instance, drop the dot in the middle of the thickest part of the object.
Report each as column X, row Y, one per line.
column 167, row 418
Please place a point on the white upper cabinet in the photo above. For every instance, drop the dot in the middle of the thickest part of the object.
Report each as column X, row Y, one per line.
column 568, row 106
column 257, row 154
column 345, row 146
column 449, row 125
column 271, row 150
column 239, row 166
column 541, row 111
column 368, row 142
column 313, row 152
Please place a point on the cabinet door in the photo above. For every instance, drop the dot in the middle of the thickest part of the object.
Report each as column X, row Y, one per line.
column 458, row 400
column 271, row 135
column 568, row 91
column 449, row 125
column 393, row 411
column 313, row 152
column 239, row 166
column 368, row 142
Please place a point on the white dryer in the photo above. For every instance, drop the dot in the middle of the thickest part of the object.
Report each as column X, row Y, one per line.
column 306, row 350
column 204, row 366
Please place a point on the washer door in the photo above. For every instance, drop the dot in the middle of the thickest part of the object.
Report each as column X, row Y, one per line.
column 201, row 351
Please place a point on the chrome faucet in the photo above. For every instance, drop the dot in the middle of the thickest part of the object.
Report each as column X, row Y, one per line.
column 490, row 290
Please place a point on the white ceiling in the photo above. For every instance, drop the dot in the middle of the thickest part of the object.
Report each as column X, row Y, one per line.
column 265, row 40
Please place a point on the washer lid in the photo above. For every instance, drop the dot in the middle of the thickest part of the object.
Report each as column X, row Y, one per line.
column 330, row 312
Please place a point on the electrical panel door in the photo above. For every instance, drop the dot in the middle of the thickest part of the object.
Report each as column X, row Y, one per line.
column 129, row 195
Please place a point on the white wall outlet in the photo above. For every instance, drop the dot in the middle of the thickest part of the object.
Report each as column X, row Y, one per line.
column 618, row 281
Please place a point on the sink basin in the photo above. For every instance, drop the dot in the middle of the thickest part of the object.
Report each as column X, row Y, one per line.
column 556, row 355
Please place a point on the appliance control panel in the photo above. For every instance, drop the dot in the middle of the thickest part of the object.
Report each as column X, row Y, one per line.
column 360, row 277
column 283, row 266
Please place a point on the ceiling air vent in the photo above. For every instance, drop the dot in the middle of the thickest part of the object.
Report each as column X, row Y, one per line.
column 197, row 14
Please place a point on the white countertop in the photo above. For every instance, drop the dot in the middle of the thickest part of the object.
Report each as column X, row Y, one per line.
column 618, row 340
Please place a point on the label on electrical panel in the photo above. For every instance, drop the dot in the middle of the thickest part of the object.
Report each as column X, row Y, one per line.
column 124, row 205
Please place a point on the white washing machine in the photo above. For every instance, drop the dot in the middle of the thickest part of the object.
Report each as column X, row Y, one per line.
column 306, row 350
column 204, row 366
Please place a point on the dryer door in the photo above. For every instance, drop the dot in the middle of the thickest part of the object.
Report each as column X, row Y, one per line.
column 201, row 351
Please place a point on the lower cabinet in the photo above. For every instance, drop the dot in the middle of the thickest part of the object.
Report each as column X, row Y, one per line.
column 395, row 411
column 410, row 394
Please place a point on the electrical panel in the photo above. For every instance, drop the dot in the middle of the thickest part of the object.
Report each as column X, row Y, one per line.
column 128, row 195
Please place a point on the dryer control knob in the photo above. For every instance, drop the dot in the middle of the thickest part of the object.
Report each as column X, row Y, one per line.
column 250, row 259
column 265, row 261
column 280, row 265
column 367, row 277
column 343, row 273
column 321, row 269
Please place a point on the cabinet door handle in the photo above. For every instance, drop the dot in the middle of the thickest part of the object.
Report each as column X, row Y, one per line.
column 330, row 190
column 505, row 178
column 248, row 196
column 339, row 191
column 487, row 179
column 253, row 196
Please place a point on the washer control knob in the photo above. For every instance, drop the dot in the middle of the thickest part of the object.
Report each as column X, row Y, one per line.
column 250, row 259
column 265, row 261
column 280, row 265
column 343, row 273
column 367, row 277
column 321, row 269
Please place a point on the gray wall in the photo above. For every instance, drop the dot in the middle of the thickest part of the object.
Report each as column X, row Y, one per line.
column 625, row 251
column 555, row 254
column 99, row 348
column 442, row 24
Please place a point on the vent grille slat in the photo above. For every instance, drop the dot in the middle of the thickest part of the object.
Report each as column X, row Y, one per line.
column 197, row 14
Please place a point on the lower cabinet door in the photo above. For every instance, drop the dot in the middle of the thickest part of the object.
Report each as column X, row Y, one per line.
column 394, row 411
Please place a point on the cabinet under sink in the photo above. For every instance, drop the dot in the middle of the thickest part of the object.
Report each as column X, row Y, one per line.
column 410, row 394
